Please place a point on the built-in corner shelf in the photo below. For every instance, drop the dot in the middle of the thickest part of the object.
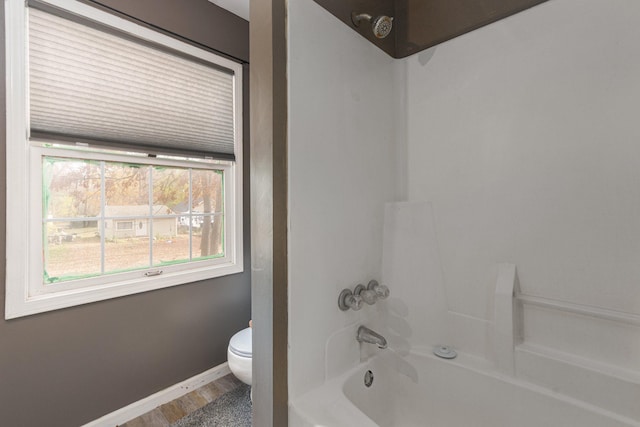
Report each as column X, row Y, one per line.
column 585, row 310
column 585, row 352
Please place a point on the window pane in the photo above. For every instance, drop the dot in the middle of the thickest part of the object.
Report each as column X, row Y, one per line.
column 126, row 185
column 207, row 191
column 127, row 253
column 135, row 235
column 70, row 251
column 208, row 236
column 71, row 188
column 170, row 246
column 126, row 229
column 171, row 189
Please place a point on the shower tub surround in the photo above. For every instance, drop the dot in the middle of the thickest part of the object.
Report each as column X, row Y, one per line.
column 524, row 385
column 421, row 390
column 412, row 387
column 504, row 374
column 514, row 151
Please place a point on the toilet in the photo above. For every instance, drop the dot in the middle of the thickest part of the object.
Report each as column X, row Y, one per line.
column 239, row 355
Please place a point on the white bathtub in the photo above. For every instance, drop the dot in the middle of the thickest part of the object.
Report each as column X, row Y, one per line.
column 420, row 389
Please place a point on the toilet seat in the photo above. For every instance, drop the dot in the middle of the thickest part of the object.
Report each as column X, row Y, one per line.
column 240, row 343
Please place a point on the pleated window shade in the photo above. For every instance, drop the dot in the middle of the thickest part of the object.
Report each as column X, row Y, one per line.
column 95, row 86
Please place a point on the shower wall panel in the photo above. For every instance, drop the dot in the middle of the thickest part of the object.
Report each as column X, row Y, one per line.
column 524, row 138
column 341, row 150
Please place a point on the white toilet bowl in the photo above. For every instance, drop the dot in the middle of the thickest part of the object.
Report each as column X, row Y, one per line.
column 239, row 355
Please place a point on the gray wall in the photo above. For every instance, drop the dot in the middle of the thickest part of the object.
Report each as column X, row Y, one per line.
column 68, row 367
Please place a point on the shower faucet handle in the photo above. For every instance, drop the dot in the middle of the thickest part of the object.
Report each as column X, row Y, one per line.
column 369, row 296
column 381, row 291
column 348, row 299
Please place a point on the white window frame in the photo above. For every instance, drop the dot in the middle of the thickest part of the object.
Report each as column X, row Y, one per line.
column 25, row 293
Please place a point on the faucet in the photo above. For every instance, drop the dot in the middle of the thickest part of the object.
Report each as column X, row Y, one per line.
column 367, row 335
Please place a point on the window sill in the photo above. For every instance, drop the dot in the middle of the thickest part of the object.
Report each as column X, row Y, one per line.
column 24, row 305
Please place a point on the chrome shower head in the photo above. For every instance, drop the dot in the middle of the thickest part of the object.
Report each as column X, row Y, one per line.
column 380, row 25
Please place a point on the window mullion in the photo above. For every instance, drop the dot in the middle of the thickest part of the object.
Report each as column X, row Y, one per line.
column 190, row 214
column 103, row 198
column 150, row 219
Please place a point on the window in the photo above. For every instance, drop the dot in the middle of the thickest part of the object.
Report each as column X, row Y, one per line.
column 129, row 178
column 125, row 225
column 147, row 216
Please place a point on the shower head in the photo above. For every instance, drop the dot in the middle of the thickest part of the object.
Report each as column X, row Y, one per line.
column 380, row 25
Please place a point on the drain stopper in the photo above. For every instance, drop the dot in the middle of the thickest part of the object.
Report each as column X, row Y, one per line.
column 445, row 352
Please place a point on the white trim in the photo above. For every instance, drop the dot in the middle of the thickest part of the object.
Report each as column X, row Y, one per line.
column 17, row 161
column 149, row 403
column 23, row 188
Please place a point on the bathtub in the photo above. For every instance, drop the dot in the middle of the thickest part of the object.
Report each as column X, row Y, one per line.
column 419, row 389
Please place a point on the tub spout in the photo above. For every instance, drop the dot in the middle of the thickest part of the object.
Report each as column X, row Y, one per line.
column 367, row 335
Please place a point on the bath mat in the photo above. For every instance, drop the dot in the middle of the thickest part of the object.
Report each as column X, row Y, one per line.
column 232, row 409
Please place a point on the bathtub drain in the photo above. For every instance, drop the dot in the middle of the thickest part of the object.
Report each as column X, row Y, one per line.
column 368, row 378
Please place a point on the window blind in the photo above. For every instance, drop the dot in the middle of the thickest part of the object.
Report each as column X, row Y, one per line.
column 95, row 86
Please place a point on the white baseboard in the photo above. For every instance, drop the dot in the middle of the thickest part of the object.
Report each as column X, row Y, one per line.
column 149, row 403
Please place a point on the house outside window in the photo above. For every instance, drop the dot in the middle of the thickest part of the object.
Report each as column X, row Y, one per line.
column 131, row 171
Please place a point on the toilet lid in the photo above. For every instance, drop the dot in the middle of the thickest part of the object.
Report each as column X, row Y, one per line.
column 240, row 343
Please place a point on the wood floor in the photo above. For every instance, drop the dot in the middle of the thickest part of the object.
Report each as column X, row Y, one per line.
column 165, row 415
